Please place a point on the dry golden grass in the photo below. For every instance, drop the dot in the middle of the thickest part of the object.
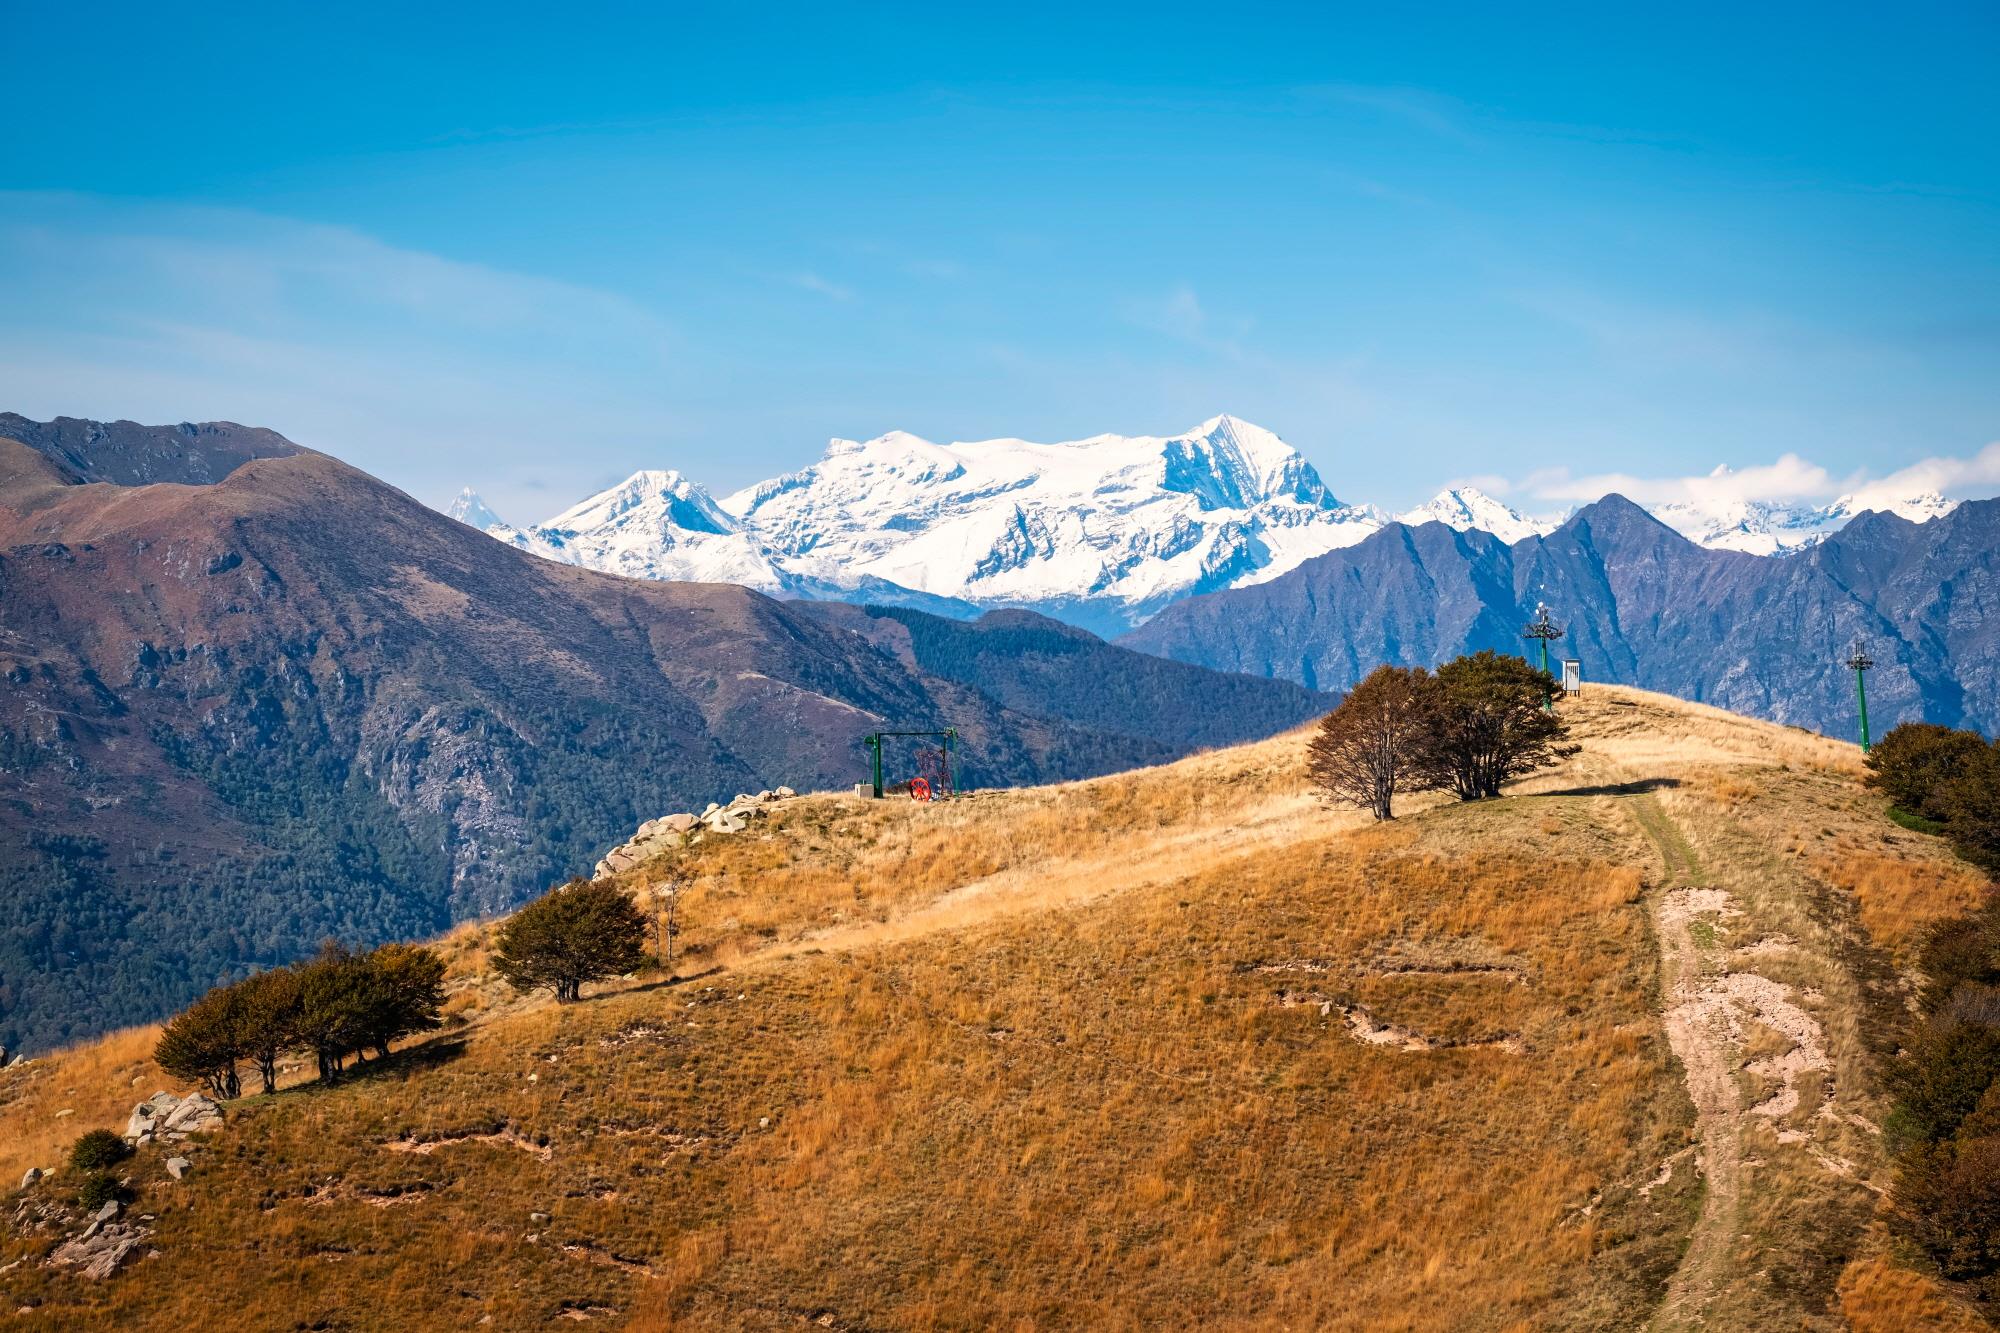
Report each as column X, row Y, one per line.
column 1900, row 898
column 47, row 1103
column 1878, row 1297
column 1056, row 1057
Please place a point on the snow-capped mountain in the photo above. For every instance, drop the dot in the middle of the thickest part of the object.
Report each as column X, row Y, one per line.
column 1468, row 507
column 1101, row 532
column 1104, row 530
column 469, row 509
column 653, row 525
column 1764, row 527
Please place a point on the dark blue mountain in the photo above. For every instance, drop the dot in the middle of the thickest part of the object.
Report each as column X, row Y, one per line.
column 1643, row 606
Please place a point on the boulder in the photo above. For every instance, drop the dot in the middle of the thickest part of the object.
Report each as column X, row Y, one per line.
column 34, row 1174
column 195, row 1115
column 783, row 793
column 177, row 1167
column 680, row 823
column 99, row 1251
column 767, row 795
column 170, row 1118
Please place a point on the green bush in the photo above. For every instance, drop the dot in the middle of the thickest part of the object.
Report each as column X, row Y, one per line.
column 1943, row 781
column 98, row 1189
column 98, row 1149
column 1947, row 1069
column 1917, row 760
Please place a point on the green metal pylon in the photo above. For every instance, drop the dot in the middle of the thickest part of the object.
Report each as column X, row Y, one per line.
column 1860, row 663
column 1543, row 629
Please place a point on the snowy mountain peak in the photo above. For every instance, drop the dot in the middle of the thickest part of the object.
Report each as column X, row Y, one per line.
column 1468, row 507
column 1100, row 531
column 1920, row 507
column 663, row 498
column 469, row 509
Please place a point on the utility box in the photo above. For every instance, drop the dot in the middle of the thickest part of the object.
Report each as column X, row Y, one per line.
column 1572, row 676
column 865, row 790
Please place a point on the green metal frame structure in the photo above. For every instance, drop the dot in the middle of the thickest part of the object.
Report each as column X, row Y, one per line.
column 873, row 740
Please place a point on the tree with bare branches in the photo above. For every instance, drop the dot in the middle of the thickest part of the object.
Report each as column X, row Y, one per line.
column 1364, row 748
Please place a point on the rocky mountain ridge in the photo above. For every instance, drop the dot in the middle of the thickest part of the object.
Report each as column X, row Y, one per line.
column 1643, row 606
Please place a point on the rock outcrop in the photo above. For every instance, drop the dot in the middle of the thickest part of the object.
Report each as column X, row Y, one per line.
column 676, row 830
column 103, row 1246
column 170, row 1119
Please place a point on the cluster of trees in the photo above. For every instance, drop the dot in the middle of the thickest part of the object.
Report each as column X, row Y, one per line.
column 1476, row 722
column 1944, row 781
column 1947, row 1120
column 336, row 1005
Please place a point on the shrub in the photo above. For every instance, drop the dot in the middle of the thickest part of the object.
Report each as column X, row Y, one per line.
column 1946, row 1070
column 98, row 1189
column 1483, row 722
column 1915, row 761
column 97, row 1149
column 1962, row 949
column 1942, row 780
column 578, row 932
column 1364, row 748
column 1948, row 1197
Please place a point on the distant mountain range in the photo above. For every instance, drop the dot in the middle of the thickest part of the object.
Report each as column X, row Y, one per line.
column 274, row 700
column 1101, row 532
column 1645, row 606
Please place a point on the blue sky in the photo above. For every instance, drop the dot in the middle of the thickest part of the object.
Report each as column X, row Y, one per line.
column 535, row 248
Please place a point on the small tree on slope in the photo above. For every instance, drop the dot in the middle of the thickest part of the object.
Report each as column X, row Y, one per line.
column 577, row 932
column 1484, row 723
column 206, row 1042
column 1364, row 748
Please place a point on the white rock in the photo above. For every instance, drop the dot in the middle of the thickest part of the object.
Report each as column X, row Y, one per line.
column 177, row 1167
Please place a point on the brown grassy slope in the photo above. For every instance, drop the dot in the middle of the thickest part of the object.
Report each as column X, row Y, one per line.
column 1057, row 1056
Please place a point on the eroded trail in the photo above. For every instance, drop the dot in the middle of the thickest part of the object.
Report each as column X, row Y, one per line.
column 1701, row 1042
column 1712, row 1011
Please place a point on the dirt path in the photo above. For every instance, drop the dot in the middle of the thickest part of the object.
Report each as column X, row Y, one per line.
column 1071, row 881
column 1701, row 1041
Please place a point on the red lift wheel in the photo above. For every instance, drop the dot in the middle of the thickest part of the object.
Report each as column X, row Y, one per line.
column 920, row 789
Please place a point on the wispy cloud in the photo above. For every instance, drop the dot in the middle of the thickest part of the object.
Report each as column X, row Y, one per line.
column 1954, row 478
column 1789, row 478
column 809, row 281
column 1179, row 314
column 406, row 363
column 1431, row 112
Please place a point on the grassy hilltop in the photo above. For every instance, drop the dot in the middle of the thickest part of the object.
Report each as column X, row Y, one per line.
column 1177, row 1047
